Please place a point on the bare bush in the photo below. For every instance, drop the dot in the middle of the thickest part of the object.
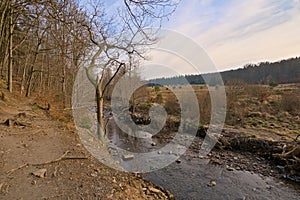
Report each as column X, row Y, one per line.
column 290, row 103
column 172, row 107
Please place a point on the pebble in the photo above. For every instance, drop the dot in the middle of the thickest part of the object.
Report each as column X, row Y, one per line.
column 114, row 180
column 41, row 173
column 178, row 161
column 153, row 144
column 94, row 174
column 229, row 168
column 128, row 157
column 212, row 183
column 152, row 189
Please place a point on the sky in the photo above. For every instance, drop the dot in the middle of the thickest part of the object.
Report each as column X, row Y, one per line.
column 234, row 32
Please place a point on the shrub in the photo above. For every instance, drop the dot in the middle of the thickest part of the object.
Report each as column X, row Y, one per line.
column 273, row 84
column 172, row 107
column 290, row 103
column 159, row 98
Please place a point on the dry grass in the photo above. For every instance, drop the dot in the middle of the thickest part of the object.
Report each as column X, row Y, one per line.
column 248, row 106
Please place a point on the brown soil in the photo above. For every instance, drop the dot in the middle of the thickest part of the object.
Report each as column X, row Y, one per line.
column 40, row 158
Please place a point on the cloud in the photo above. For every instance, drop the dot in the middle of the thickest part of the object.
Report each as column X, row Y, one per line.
column 235, row 32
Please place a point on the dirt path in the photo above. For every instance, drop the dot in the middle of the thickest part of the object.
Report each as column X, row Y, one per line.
column 32, row 143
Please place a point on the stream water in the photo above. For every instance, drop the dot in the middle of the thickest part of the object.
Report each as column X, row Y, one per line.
column 194, row 178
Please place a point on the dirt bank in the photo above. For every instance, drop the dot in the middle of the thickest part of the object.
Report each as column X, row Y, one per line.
column 40, row 158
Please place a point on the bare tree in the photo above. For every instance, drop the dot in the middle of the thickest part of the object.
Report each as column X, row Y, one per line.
column 113, row 47
column 43, row 43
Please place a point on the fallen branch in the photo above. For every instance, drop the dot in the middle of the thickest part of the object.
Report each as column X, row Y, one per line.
column 26, row 132
column 63, row 157
column 52, row 161
column 15, row 169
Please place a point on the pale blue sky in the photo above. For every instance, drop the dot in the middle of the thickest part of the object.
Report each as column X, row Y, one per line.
column 236, row 32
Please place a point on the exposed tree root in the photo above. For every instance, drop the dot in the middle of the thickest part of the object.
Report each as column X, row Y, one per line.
column 63, row 157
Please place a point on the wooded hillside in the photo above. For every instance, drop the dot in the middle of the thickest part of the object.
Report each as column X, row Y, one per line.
column 284, row 71
column 42, row 44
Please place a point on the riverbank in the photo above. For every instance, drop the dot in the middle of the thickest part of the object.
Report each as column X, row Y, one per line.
column 41, row 157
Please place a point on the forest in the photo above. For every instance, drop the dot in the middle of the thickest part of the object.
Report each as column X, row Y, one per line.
column 44, row 43
column 267, row 73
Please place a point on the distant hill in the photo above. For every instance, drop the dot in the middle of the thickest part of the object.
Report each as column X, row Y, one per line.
column 284, row 71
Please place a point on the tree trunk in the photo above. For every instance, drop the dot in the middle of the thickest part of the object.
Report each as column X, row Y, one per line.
column 4, row 64
column 100, row 108
column 48, row 84
column 10, row 62
column 24, row 75
column 28, row 91
column 64, row 84
column 41, row 76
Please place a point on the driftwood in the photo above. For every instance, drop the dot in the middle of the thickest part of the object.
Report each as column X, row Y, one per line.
column 293, row 153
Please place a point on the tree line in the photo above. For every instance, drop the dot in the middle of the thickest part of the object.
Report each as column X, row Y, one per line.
column 283, row 71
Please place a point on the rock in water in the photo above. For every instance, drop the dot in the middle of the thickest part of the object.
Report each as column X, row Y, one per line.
column 143, row 134
column 128, row 157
